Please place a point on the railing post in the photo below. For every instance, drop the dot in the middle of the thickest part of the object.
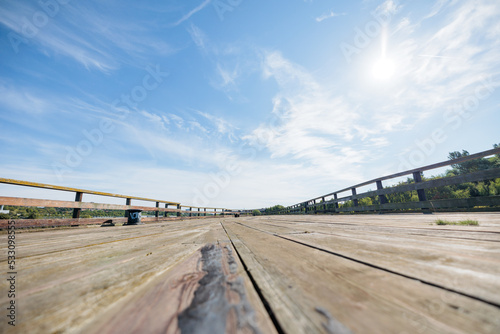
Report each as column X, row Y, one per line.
column 76, row 211
column 198, row 212
column 335, row 197
column 381, row 198
column 205, row 210
column 421, row 192
column 215, row 212
column 355, row 201
column 179, row 213
column 315, row 207
column 165, row 214
column 324, row 204
column 127, row 202
column 190, row 211
column 157, row 213
column 417, row 176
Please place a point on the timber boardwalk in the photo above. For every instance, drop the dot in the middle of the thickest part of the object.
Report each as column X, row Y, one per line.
column 270, row 274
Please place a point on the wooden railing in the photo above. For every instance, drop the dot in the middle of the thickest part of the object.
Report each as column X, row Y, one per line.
column 161, row 206
column 330, row 202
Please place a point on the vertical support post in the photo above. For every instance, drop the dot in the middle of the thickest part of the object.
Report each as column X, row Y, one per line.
column 417, row 176
column 421, row 192
column 315, row 207
column 190, row 211
column 179, row 213
column 356, row 203
column 165, row 214
column 198, row 212
column 205, row 209
column 76, row 211
column 335, row 197
column 324, row 204
column 157, row 213
column 215, row 212
column 127, row 202
column 381, row 198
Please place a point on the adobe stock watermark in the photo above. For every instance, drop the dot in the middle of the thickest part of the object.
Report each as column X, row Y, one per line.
column 364, row 37
column 95, row 137
column 223, row 6
column 453, row 120
column 232, row 168
column 30, row 26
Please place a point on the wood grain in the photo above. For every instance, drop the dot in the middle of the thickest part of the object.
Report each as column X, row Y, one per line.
column 274, row 274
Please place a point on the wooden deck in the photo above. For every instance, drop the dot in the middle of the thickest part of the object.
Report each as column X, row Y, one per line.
column 272, row 274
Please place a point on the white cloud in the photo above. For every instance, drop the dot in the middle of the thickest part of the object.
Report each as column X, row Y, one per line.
column 85, row 35
column 389, row 7
column 311, row 124
column 438, row 7
column 198, row 37
column 22, row 100
column 328, row 15
column 192, row 12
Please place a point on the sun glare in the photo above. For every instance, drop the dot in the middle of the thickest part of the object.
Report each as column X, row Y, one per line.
column 383, row 69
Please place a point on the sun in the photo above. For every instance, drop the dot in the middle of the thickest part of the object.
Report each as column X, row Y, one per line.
column 383, row 69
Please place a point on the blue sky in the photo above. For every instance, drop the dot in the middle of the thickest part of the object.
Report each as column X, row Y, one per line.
column 241, row 104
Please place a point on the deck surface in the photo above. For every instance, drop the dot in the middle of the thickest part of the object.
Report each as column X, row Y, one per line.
column 271, row 274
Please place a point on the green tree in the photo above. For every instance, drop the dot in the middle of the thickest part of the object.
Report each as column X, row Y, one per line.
column 470, row 166
column 256, row 212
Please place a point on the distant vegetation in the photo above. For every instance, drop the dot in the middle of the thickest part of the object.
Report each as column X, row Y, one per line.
column 21, row 212
column 464, row 190
column 256, row 213
column 274, row 209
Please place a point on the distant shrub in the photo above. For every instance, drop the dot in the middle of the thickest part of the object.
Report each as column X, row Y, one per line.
column 256, row 213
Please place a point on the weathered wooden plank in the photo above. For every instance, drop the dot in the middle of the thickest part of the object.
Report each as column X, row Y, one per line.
column 204, row 294
column 452, row 263
column 361, row 297
column 74, row 280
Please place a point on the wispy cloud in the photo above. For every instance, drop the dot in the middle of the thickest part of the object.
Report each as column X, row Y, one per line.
column 328, row 15
column 87, row 36
column 198, row 37
column 447, row 66
column 310, row 123
column 438, row 7
column 192, row 12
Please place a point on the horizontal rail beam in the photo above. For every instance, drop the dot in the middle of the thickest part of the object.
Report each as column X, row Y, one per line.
column 91, row 192
column 435, row 204
column 411, row 171
column 17, row 201
column 419, row 186
column 447, row 181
